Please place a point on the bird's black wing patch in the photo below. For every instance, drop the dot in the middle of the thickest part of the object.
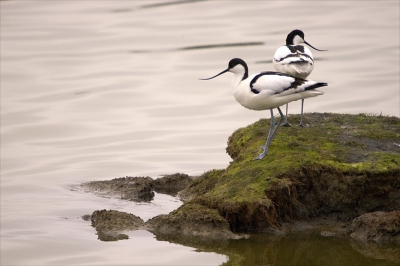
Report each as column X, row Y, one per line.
column 293, row 85
column 296, row 48
column 297, row 82
column 316, row 85
column 300, row 81
column 254, row 80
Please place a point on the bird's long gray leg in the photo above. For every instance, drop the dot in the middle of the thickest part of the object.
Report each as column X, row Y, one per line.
column 271, row 134
column 265, row 147
column 286, row 124
column 279, row 124
column 301, row 116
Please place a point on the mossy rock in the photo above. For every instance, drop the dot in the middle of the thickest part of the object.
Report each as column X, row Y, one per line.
column 191, row 220
column 139, row 189
column 172, row 184
column 379, row 227
column 110, row 223
column 343, row 164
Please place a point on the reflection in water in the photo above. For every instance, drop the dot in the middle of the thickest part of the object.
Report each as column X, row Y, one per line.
column 377, row 251
column 290, row 250
column 107, row 237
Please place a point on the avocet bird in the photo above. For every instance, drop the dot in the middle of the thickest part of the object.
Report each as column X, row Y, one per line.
column 268, row 90
column 296, row 60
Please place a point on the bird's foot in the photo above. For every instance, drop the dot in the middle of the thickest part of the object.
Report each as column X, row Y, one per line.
column 262, row 154
column 286, row 124
column 302, row 125
column 259, row 157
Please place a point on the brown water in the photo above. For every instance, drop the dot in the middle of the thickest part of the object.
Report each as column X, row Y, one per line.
column 94, row 90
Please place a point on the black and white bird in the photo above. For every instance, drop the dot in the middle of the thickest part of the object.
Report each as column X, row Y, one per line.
column 296, row 60
column 268, row 90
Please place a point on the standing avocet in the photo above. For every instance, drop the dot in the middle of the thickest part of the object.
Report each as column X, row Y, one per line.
column 268, row 90
column 296, row 60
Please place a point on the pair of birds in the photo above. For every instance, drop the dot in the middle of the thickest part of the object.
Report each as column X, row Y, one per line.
column 269, row 90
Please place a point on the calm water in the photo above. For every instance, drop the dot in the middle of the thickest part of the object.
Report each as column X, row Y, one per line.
column 94, row 90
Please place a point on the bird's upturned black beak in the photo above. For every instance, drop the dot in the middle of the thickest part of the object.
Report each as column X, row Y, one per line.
column 314, row 47
column 226, row 70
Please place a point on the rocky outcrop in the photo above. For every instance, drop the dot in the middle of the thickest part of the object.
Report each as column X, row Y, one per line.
column 172, row 184
column 192, row 220
column 139, row 189
column 378, row 227
column 127, row 188
column 109, row 224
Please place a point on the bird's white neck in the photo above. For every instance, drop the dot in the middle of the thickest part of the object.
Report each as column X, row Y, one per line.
column 240, row 73
column 237, row 78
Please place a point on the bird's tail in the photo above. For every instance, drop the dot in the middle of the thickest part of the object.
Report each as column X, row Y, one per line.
column 313, row 85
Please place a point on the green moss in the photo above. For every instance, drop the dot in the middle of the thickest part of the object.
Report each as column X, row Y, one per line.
column 377, row 127
column 343, row 144
column 196, row 212
column 293, row 147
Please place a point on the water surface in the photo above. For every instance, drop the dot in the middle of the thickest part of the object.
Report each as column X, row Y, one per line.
column 105, row 89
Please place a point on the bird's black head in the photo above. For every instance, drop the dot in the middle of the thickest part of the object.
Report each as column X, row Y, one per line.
column 292, row 35
column 233, row 67
column 236, row 61
column 296, row 37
